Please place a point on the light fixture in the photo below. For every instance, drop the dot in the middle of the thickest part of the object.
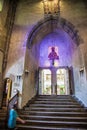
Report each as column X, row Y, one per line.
column 26, row 71
column 51, row 7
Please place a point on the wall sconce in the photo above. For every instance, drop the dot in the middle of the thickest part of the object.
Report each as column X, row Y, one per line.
column 26, row 71
column 81, row 69
column 51, row 7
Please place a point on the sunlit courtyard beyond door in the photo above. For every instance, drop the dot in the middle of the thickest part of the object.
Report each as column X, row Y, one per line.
column 45, row 82
column 62, row 82
column 54, row 81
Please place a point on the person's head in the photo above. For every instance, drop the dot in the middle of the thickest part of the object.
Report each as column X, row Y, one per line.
column 14, row 106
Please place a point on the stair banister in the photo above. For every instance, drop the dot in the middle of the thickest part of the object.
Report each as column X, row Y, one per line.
column 13, row 100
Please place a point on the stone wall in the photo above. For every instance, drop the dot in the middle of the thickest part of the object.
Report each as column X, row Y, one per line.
column 7, row 14
column 2, row 47
column 28, row 14
column 30, row 68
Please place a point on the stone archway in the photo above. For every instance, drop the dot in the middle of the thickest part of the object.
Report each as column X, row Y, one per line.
column 45, row 26
column 41, row 30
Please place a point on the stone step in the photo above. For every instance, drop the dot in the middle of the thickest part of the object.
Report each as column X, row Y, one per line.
column 2, row 118
column 55, row 96
column 54, row 118
column 51, row 109
column 3, row 110
column 34, row 127
column 55, row 105
column 3, row 123
column 57, row 123
column 81, row 114
column 2, row 114
column 55, row 99
column 56, row 102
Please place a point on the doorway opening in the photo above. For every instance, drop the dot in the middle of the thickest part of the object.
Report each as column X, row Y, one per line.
column 54, row 81
column 7, row 91
column 45, row 82
column 62, row 82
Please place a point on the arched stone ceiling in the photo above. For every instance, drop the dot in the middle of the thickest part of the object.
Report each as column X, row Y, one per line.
column 48, row 25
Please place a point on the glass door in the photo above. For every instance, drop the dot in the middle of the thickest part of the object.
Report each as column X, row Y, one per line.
column 54, row 81
column 45, row 82
column 62, row 81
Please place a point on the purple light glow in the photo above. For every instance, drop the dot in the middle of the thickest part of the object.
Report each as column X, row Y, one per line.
column 60, row 40
column 53, row 55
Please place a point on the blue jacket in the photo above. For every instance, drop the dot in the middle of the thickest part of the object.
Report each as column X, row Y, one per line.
column 12, row 118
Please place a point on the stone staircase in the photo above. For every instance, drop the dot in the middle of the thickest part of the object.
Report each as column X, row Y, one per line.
column 3, row 114
column 53, row 112
column 3, row 122
column 4, row 110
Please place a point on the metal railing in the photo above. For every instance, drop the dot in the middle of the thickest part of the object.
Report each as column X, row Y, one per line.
column 13, row 100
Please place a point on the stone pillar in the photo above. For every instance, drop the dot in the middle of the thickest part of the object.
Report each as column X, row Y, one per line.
column 1, row 86
column 2, row 45
column 53, row 81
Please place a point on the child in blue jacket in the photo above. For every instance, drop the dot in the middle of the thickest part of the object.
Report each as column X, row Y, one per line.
column 13, row 117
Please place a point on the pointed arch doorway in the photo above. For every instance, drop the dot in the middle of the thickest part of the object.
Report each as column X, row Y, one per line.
column 54, row 81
